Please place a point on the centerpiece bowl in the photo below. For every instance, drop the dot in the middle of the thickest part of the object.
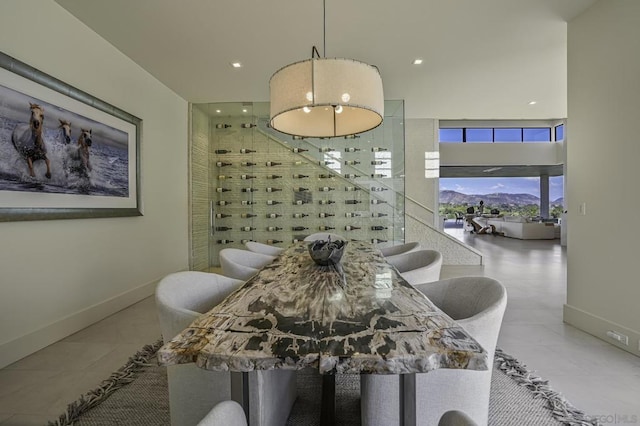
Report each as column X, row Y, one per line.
column 327, row 253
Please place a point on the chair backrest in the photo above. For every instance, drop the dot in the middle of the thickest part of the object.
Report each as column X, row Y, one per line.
column 420, row 266
column 183, row 296
column 227, row 413
column 400, row 249
column 324, row 236
column 456, row 418
column 257, row 247
column 242, row 264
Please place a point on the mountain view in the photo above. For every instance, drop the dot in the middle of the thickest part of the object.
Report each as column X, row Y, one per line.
column 493, row 199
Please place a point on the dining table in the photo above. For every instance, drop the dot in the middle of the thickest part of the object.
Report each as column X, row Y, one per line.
column 358, row 316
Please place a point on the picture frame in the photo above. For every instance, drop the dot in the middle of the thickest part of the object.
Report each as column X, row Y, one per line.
column 64, row 154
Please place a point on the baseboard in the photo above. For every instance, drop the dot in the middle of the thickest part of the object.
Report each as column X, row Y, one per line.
column 599, row 327
column 23, row 346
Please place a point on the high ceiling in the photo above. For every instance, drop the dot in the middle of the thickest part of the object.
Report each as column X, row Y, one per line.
column 482, row 59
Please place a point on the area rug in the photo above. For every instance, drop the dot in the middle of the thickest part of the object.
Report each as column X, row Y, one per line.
column 136, row 395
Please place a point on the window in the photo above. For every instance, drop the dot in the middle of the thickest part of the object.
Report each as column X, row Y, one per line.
column 507, row 135
column 385, row 168
column 332, row 160
column 536, row 134
column 479, row 135
column 559, row 132
column 450, row 135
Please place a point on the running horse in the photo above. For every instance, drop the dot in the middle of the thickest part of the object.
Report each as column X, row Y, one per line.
column 84, row 142
column 65, row 131
column 27, row 139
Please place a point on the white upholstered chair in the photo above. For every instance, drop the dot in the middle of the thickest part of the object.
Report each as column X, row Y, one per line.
column 182, row 297
column 226, row 413
column 324, row 236
column 257, row 247
column 419, row 266
column 478, row 305
column 456, row 418
column 400, row 249
column 242, row 264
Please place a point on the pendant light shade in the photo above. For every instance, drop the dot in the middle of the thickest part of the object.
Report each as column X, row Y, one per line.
column 326, row 97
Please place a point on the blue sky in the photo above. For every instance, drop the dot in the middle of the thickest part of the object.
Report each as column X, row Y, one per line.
column 526, row 185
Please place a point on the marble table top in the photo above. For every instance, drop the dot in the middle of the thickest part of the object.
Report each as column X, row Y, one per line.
column 361, row 317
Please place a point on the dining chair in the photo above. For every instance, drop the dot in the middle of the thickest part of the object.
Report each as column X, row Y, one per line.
column 324, row 236
column 400, row 249
column 226, row 413
column 181, row 298
column 418, row 266
column 261, row 248
column 477, row 304
column 242, row 264
column 456, row 418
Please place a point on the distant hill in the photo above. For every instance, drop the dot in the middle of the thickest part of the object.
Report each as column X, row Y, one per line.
column 495, row 199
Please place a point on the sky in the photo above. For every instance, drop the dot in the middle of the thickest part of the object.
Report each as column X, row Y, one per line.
column 525, row 185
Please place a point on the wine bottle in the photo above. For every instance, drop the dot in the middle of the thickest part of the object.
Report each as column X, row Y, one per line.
column 379, row 214
column 273, row 228
column 378, row 228
column 324, row 202
column 325, row 214
column 222, row 215
column 223, row 177
column 300, row 215
column 299, row 163
column 351, row 149
column 223, row 228
column 223, row 190
column 378, row 189
column 351, row 176
column 300, row 189
column 295, row 240
column 273, row 202
column 224, row 241
column 351, row 228
column 326, row 189
column 247, row 125
column 376, row 201
column 247, row 151
column 223, row 203
column 274, row 176
column 378, row 149
column 274, row 241
column 376, row 240
column 377, row 175
column 324, row 176
column 247, row 163
column 222, row 151
column 352, row 201
column 352, row 214
column 247, row 228
column 377, row 162
column 351, row 136
column 245, row 241
column 300, row 150
column 297, row 138
column 300, row 202
column 247, row 177
column 326, row 149
column 222, row 164
column 326, row 163
column 300, row 176
column 351, row 162
column 273, row 215
column 270, row 189
column 272, row 164
column 325, row 228
column 247, row 202
column 298, row 228
column 223, row 126
column 352, row 188
column 247, row 215
column 249, row 189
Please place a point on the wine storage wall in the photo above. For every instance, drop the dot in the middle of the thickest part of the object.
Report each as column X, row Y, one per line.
column 275, row 189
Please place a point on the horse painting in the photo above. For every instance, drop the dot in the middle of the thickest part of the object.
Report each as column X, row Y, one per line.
column 27, row 139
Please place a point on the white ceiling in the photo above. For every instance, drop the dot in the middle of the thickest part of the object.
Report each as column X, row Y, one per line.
column 482, row 59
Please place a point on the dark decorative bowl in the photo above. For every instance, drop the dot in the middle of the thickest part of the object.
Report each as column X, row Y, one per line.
column 326, row 253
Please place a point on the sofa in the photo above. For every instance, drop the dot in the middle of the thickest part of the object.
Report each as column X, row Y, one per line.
column 523, row 228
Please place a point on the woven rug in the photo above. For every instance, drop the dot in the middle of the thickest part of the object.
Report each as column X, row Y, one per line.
column 136, row 395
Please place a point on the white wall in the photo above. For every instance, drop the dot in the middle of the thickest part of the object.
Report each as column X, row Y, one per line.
column 59, row 276
column 602, row 160
column 498, row 154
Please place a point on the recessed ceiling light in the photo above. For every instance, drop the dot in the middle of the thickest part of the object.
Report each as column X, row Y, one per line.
column 218, row 111
column 236, row 64
column 532, row 102
column 244, row 110
column 417, row 61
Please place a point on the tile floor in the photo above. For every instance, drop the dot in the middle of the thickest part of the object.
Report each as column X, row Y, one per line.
column 590, row 373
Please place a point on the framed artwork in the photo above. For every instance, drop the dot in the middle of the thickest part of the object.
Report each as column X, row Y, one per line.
column 63, row 153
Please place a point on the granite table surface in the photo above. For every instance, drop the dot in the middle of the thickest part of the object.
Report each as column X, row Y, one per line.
column 361, row 317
